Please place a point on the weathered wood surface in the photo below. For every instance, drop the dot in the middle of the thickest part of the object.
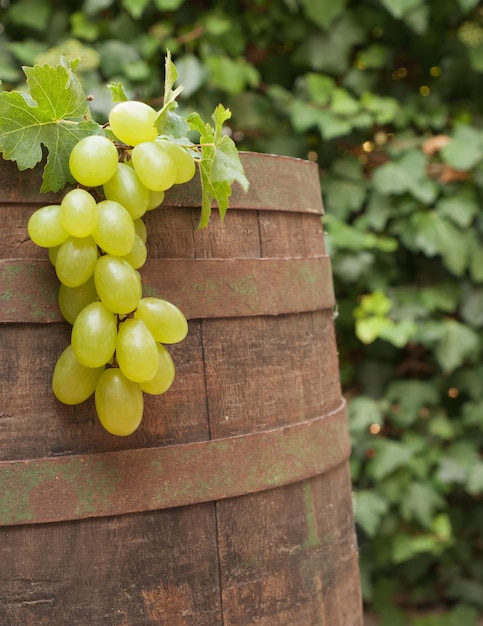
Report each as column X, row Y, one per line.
column 284, row 556
column 238, row 287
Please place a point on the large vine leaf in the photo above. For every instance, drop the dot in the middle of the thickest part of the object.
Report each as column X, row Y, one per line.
column 54, row 115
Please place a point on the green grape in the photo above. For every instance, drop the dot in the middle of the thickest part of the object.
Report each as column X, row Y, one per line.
column 138, row 255
column 118, row 284
column 126, row 188
column 185, row 164
column 155, row 199
column 164, row 376
column 155, row 168
column 72, row 382
column 76, row 260
column 94, row 335
column 53, row 252
column 136, row 351
column 45, row 227
column 165, row 321
column 133, row 122
column 119, row 402
column 78, row 213
column 73, row 299
column 141, row 230
column 115, row 230
column 93, row 160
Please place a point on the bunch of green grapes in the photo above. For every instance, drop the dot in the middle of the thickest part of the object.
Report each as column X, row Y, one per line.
column 97, row 243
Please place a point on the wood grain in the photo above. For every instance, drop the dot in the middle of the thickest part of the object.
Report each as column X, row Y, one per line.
column 284, row 556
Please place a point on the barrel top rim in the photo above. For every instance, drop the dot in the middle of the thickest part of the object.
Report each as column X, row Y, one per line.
column 277, row 183
column 272, row 155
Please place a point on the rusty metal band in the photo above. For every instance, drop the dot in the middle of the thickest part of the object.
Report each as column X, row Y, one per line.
column 277, row 183
column 201, row 288
column 128, row 481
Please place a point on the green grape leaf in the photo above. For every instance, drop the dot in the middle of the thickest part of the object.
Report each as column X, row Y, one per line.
column 227, row 165
column 167, row 121
column 220, row 164
column 118, row 92
column 171, row 75
column 172, row 125
column 54, row 115
column 197, row 124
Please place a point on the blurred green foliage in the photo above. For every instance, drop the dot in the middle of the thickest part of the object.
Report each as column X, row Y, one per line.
column 387, row 96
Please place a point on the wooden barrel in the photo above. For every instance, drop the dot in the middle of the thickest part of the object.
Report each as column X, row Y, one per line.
column 231, row 505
